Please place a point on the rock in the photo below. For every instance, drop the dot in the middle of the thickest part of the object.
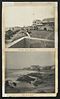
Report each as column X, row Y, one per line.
column 25, row 78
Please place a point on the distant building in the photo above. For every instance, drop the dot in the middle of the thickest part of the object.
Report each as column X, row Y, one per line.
column 37, row 24
column 35, row 67
column 48, row 24
column 49, row 21
column 45, row 24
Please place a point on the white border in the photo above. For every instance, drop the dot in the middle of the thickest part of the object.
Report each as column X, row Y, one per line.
column 30, row 49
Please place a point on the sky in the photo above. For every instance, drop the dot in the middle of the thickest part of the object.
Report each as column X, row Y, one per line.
column 21, row 15
column 25, row 59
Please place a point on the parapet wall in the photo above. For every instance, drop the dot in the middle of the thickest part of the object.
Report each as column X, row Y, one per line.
column 33, row 43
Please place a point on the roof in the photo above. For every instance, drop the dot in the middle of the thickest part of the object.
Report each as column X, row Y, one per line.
column 48, row 20
column 37, row 21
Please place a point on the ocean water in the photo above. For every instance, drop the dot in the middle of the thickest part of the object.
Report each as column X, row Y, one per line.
column 47, row 85
column 13, row 74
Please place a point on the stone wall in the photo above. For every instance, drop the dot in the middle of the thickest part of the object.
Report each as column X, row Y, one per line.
column 33, row 43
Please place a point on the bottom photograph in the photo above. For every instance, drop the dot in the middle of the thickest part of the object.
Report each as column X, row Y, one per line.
column 30, row 72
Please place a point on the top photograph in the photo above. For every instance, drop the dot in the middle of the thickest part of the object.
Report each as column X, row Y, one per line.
column 29, row 24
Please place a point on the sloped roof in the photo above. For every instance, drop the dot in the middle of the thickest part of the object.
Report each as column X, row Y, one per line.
column 48, row 20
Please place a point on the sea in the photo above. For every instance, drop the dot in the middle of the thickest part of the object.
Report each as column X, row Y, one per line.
column 48, row 84
column 13, row 74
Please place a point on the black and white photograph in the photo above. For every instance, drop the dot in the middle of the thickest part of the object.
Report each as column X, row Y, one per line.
column 29, row 24
column 29, row 49
column 30, row 72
